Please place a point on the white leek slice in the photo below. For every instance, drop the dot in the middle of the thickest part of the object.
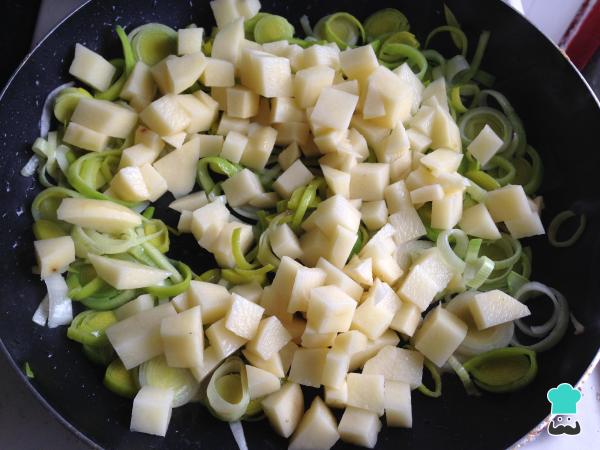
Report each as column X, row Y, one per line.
column 227, row 391
column 60, row 308
column 157, row 373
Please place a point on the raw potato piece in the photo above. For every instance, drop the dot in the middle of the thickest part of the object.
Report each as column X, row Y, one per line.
column 295, row 176
column 307, row 366
column 305, row 279
column 477, row 221
column 175, row 140
column 190, row 202
column 155, row 183
column 398, row 408
column 207, row 223
column 526, row 226
column 331, row 213
column 360, row 270
column 105, row 117
column 338, row 181
column 151, row 411
column 175, row 74
column 123, row 275
column 284, row 409
column 54, row 255
column 440, row 335
column 508, row 203
column 396, row 364
column 337, row 397
column 218, row 73
column 140, row 88
column 287, row 157
column 128, row 184
column 284, row 242
column 485, row 145
column 222, row 340
column 336, row 367
column 261, row 382
column 189, row 40
column 201, row 113
column 267, row 75
column 359, row 427
column 210, row 362
column 495, row 307
column 234, row 146
column 178, row 168
column 317, row 429
column 369, row 180
column 311, row 339
column 269, row 339
column 374, row 315
column 272, row 365
column 407, row 319
column 213, row 299
column 210, row 145
column 366, row 392
column 261, row 141
column 91, row 68
column 84, row 138
column 330, row 310
column 183, row 338
column 359, row 358
column 335, row 276
column 358, row 63
column 224, row 11
column 334, row 109
column 374, row 214
column 165, row 116
column 242, row 103
column 418, row 288
column 308, row 84
column 243, row 317
column 242, row 187
column 140, row 154
column 100, row 215
column 446, row 213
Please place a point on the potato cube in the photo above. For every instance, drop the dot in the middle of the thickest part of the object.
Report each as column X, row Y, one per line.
column 418, row 141
column 335, row 276
column 397, row 97
column 292, row 132
column 310, row 338
column 424, row 194
column 285, row 110
column 261, row 141
column 243, row 317
column 151, row 413
column 398, row 408
column 105, row 117
column 349, row 86
column 222, row 340
column 508, row 203
column 178, row 168
column 386, row 268
column 295, row 176
column 526, row 226
column 407, row 224
column 284, row 408
column 142, row 303
column 175, row 140
column 165, row 116
column 210, row 363
column 331, row 213
column 435, row 267
column 306, row 278
column 270, row 337
column 329, row 141
column 375, row 314
column 366, row 392
column 359, row 358
column 225, row 11
column 442, row 161
column 100, row 215
column 227, row 44
column 407, row 319
column 406, row 74
column 261, row 382
column 446, row 213
column 138, row 154
column 128, row 184
column 214, row 300
column 321, row 55
column 273, row 365
column 222, row 248
column 440, row 335
column 418, row 288
column 210, row 145
column 334, row 109
column 477, row 221
column 91, row 68
column 123, row 275
column 54, row 255
column 155, row 183
column 374, row 214
column 190, row 202
column 336, row 367
column 495, row 307
column 85, row 138
column 337, row 397
column 317, row 429
column 285, row 277
column 485, row 145
column 374, row 105
column 242, row 187
column 241, row 102
column 308, row 84
column 307, row 366
column 140, row 88
column 218, row 73
column 284, row 242
column 358, row 63
column 437, row 90
column 183, row 338
column 287, row 157
column 444, row 131
column 180, row 72
column 359, row 427
column 267, row 75
column 396, row 364
column 201, row 115
column 342, row 161
column 368, row 181
column 189, row 40
column 372, row 132
column 360, row 270
column 393, row 146
column 250, row 291
column 397, row 197
column 330, row 309
column 208, row 218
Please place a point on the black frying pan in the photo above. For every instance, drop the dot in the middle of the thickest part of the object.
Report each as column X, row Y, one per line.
column 562, row 119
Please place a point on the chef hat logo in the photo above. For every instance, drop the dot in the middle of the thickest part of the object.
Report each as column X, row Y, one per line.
column 564, row 399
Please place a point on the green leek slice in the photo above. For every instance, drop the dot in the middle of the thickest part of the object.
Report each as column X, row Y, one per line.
column 156, row 372
column 120, row 380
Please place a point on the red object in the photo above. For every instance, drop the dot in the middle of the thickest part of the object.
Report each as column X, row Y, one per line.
column 586, row 40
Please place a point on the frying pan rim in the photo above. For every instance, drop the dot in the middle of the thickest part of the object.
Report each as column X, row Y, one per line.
column 530, row 436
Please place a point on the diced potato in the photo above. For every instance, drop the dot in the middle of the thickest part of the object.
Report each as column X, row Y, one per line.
column 422, row 121
column 398, row 408
column 446, row 213
column 380, row 244
column 396, row 364
column 418, row 288
column 126, row 274
column 210, row 362
column 359, row 427
column 151, row 413
column 284, row 408
column 407, row 224
column 374, row 214
column 139, row 154
column 444, row 131
column 335, row 276
column 407, row 319
column 210, row 145
column 305, row 279
column 284, row 279
column 375, row 313
column 261, row 382
column 308, row 84
column 292, row 132
column 485, row 145
column 54, row 255
column 242, row 187
column 128, row 184
column 222, row 248
column 241, row 102
column 178, row 168
column 406, row 74
column 140, row 86
column 508, row 203
column 248, row 8
column 190, row 202
column 142, row 303
column 349, row 86
column 358, row 63
column 201, row 114
column 222, row 340
column 360, row 270
column 137, row 338
column 330, row 309
column 477, row 221
column 442, row 161
column 334, row 109
column 317, row 429
column 175, row 140
column 209, row 219
column 420, row 176
column 105, row 117
column 91, row 68
column 397, row 197
column 418, row 141
column 307, row 366
column 224, row 11
column 430, row 193
column 372, row 132
column 394, row 146
column 165, row 116
column 100, row 215
column 261, row 141
column 386, row 268
column 295, row 176
column 337, row 397
column 265, row 200
column 329, row 142
column 267, row 75
column 526, row 226
column 342, row 161
column 359, row 358
column 335, row 369
column 374, row 105
column 368, row 181
column 250, row 291
column 341, row 245
column 310, row 338
column 227, row 44
column 287, row 157
column 180, row 302
column 183, row 338
column 277, row 48
column 495, row 307
column 285, row 110
column 440, row 335
column 284, row 242
column 214, row 300
column 85, row 138
column 218, row 73
column 272, row 365
column 287, row 353
column 433, row 264
column 243, row 317
column 331, row 213
column 366, row 392
column 189, row 40
column 397, row 97
column 321, row 55
column 270, row 337
column 437, row 89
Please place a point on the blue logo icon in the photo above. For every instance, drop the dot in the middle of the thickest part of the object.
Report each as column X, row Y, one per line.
column 563, row 399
